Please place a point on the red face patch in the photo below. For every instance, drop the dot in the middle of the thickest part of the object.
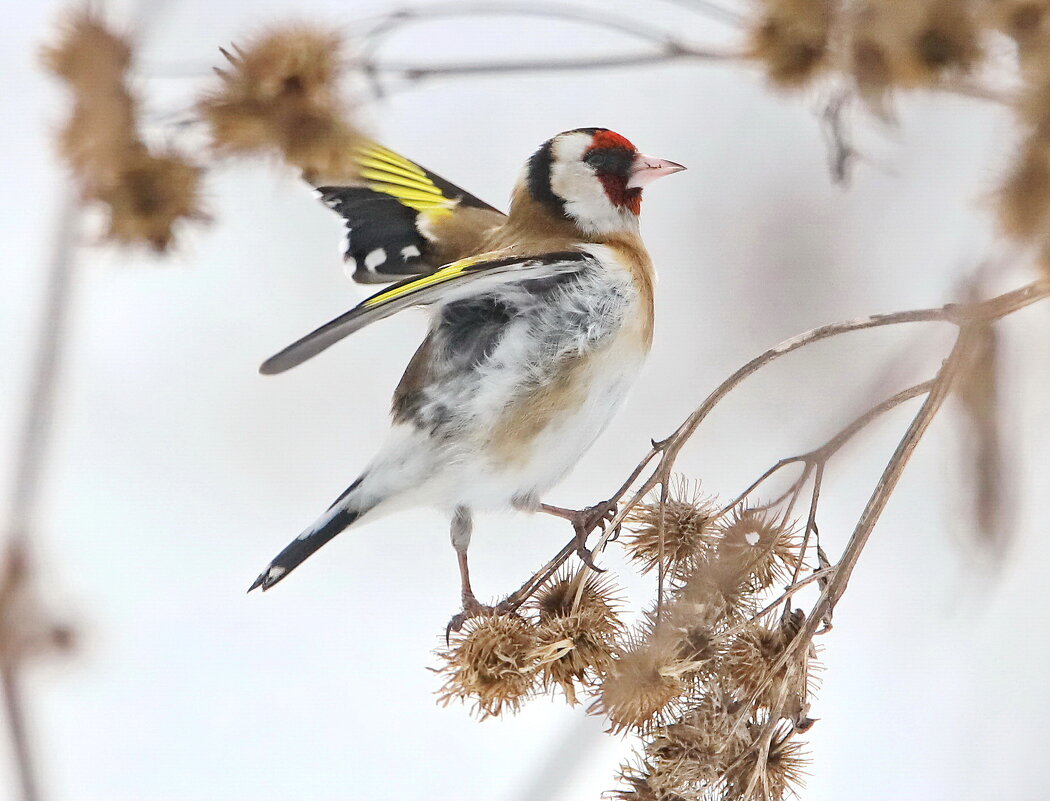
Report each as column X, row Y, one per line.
column 611, row 156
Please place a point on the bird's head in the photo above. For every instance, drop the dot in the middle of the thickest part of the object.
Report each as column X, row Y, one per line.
column 593, row 177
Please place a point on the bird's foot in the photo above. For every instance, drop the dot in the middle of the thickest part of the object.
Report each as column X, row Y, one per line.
column 471, row 608
column 584, row 521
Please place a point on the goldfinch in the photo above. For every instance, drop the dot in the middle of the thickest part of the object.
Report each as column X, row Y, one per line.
column 540, row 321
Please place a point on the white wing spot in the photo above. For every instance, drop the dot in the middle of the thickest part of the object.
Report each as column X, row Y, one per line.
column 375, row 258
column 275, row 573
column 752, row 538
column 409, row 252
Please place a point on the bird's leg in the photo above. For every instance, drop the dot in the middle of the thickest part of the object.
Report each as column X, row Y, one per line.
column 460, row 535
column 584, row 521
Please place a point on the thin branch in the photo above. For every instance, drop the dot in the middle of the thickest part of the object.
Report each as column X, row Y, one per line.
column 30, row 462
column 51, row 338
column 14, row 712
column 667, row 54
column 887, row 483
column 956, row 314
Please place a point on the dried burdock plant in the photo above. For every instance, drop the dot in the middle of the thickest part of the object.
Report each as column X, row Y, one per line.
column 678, row 532
column 693, row 753
column 642, row 687
column 753, row 666
column 920, row 43
column 758, row 542
column 576, row 631
column 1024, row 200
column 491, row 662
column 146, row 193
column 281, row 94
column 769, row 768
column 717, row 679
column 725, row 588
column 792, row 38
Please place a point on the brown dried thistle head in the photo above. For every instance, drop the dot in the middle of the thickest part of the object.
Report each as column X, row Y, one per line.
column 281, row 93
column 575, row 642
column 692, row 630
column 694, row 752
column 911, row 44
column 750, row 667
column 89, row 55
column 492, row 662
column 639, row 786
column 791, row 39
column 767, row 773
column 759, row 542
column 152, row 193
column 723, row 588
column 688, row 527
column 643, row 686
column 101, row 132
column 1024, row 198
column 145, row 194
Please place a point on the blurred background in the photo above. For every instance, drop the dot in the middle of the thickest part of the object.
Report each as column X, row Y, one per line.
column 175, row 471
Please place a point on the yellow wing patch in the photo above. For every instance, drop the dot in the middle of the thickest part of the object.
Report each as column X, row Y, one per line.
column 385, row 171
column 446, row 273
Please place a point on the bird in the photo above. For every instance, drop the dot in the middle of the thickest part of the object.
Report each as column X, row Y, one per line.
column 540, row 321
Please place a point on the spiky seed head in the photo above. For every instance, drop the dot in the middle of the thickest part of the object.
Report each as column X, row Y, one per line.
column 767, row 774
column 721, row 587
column 1024, row 199
column 281, row 94
column 688, row 527
column 89, row 55
column 638, row 786
column 151, row 195
column 693, row 627
column 641, row 687
column 576, row 642
column 758, row 542
column 750, row 666
column 146, row 194
column 491, row 662
column 790, row 38
column 897, row 44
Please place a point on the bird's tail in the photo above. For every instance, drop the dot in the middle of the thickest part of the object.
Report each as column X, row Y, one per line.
column 346, row 509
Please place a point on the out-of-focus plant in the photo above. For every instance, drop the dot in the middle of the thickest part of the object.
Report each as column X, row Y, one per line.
column 146, row 192
column 716, row 680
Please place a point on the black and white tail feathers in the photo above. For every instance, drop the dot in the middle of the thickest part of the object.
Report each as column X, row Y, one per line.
column 340, row 514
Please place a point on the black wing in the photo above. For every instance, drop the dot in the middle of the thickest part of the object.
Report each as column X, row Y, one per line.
column 396, row 215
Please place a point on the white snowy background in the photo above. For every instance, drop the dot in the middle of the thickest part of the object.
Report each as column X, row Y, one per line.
column 177, row 471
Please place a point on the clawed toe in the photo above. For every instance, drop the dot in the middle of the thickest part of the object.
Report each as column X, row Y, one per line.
column 471, row 608
column 586, row 557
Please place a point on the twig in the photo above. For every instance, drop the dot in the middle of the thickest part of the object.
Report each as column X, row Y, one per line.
column 953, row 313
column 29, row 464
column 668, row 449
column 887, row 483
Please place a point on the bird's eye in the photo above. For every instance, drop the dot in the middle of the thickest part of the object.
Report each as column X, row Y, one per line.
column 610, row 160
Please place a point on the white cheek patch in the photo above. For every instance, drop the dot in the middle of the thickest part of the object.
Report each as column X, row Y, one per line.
column 576, row 184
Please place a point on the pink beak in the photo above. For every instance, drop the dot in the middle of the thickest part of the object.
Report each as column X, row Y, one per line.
column 647, row 169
